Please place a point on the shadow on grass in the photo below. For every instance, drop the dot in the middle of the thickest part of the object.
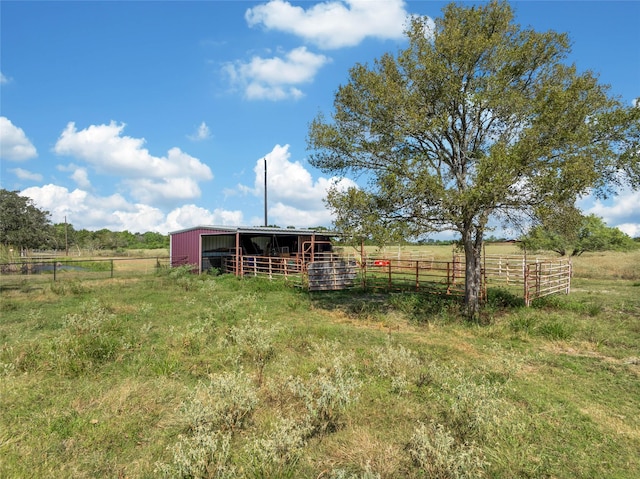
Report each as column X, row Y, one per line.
column 416, row 307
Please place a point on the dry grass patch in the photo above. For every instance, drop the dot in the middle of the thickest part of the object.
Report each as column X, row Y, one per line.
column 361, row 449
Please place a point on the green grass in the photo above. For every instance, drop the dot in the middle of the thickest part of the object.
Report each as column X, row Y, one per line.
column 184, row 376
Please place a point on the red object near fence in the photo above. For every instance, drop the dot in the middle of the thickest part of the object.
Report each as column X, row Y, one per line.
column 381, row 262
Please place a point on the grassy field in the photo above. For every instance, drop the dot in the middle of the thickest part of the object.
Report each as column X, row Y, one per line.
column 174, row 375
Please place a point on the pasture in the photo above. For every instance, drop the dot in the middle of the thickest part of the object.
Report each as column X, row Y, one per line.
column 174, row 375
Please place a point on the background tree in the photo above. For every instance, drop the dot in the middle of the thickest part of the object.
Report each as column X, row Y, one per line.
column 22, row 224
column 589, row 233
column 478, row 118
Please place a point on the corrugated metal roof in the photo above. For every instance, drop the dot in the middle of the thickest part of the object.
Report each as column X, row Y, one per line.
column 257, row 230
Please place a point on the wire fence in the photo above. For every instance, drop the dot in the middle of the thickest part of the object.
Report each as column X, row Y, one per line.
column 41, row 270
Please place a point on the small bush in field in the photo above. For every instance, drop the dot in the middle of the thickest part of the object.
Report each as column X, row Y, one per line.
column 206, row 454
column 225, row 403
column 471, row 410
column 235, row 307
column 398, row 364
column 255, row 338
column 277, row 453
column 434, row 450
column 328, row 393
column 90, row 319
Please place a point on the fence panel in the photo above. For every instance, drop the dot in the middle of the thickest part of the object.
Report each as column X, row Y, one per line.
column 331, row 275
column 438, row 277
column 546, row 278
column 36, row 270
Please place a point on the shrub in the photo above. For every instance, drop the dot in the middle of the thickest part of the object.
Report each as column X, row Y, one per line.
column 327, row 393
column 434, row 450
column 204, row 455
column 255, row 338
column 398, row 364
column 277, row 454
column 225, row 403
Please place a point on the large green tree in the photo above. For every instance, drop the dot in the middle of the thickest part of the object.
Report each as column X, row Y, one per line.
column 577, row 236
column 478, row 118
column 22, row 224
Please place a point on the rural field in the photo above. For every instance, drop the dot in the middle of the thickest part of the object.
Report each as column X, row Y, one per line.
column 173, row 375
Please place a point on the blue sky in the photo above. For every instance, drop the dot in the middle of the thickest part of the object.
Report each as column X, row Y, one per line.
column 155, row 116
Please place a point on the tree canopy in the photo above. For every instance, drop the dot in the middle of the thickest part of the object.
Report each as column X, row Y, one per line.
column 588, row 233
column 22, row 224
column 477, row 119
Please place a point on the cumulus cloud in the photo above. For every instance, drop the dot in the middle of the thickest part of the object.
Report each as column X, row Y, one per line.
column 620, row 211
column 333, row 24
column 26, row 175
column 81, row 177
column 14, row 144
column 148, row 178
column 87, row 211
column 202, row 133
column 294, row 198
column 188, row 216
column 275, row 78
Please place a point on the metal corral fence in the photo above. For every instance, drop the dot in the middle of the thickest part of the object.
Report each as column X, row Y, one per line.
column 530, row 277
column 35, row 270
column 534, row 276
column 428, row 275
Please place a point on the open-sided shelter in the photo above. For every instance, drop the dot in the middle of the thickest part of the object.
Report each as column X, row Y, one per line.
column 230, row 249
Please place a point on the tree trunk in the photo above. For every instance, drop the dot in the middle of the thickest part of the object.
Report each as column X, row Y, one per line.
column 472, row 242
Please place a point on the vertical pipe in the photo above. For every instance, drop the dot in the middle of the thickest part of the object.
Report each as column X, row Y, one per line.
column 238, row 256
column 265, row 192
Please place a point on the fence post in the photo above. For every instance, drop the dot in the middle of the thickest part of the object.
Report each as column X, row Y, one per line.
column 55, row 265
column 112, row 268
column 417, row 275
column 527, row 301
column 389, row 275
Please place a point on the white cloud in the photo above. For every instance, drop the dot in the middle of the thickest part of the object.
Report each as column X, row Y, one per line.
column 275, row 78
column 202, row 133
column 14, row 144
column 81, row 177
column 103, row 147
column 147, row 190
column 294, row 198
column 79, row 174
column 621, row 211
column 87, row 211
column 333, row 24
column 147, row 177
column 3, row 79
column 188, row 216
column 631, row 229
column 26, row 175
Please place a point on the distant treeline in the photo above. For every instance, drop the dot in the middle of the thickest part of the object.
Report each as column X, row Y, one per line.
column 66, row 237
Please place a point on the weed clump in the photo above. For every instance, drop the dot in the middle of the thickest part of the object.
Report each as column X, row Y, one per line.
column 256, row 340
column 203, row 455
column 225, row 403
column 328, row 393
column 397, row 364
column 277, row 453
column 434, row 450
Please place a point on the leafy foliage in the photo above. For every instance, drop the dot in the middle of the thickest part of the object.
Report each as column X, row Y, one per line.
column 477, row 119
column 588, row 233
column 22, row 224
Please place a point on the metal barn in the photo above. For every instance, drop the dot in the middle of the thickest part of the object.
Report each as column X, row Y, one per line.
column 241, row 250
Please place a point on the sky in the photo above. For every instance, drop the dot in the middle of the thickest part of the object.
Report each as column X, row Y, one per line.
column 158, row 116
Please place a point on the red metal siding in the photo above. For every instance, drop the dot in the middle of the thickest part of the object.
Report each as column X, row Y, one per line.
column 185, row 246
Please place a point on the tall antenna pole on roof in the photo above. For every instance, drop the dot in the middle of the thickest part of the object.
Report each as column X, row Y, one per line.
column 265, row 192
